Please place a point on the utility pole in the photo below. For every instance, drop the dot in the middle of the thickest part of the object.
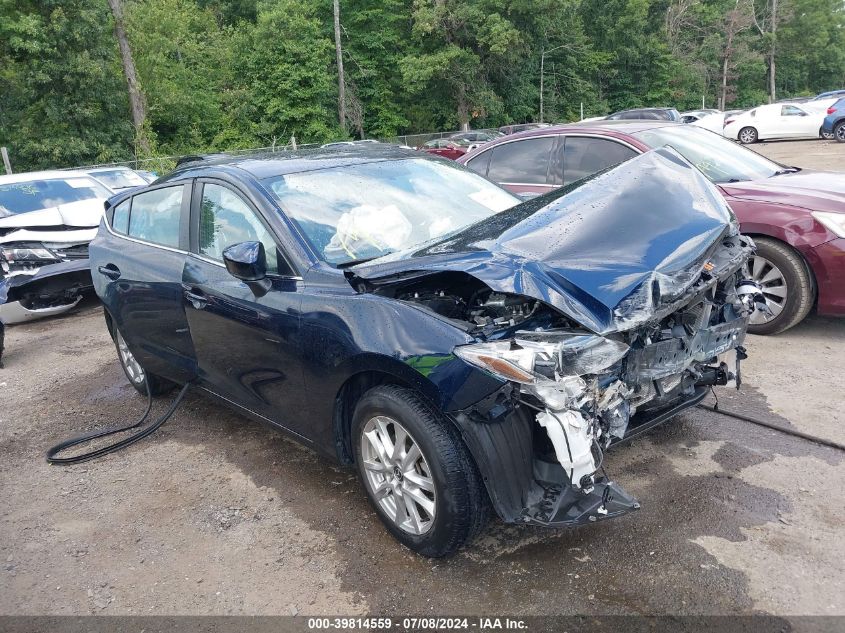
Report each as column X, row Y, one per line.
column 542, row 73
column 341, row 81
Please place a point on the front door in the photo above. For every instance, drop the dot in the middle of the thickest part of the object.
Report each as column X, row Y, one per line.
column 246, row 338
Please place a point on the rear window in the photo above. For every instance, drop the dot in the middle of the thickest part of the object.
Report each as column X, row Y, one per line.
column 120, row 217
column 34, row 195
column 156, row 216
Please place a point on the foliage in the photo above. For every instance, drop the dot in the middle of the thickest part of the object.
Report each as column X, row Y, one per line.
column 227, row 74
column 63, row 100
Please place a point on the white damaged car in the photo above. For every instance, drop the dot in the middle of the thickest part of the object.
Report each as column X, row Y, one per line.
column 47, row 219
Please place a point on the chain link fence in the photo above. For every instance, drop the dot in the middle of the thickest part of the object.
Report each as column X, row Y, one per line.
column 163, row 164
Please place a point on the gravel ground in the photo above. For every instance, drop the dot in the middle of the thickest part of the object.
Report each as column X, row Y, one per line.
column 215, row 514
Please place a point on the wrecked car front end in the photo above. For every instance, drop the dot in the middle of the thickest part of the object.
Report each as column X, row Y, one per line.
column 601, row 310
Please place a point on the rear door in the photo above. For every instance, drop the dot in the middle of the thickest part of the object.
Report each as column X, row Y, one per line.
column 137, row 268
column 246, row 338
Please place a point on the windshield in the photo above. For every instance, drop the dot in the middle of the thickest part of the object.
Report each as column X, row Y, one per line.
column 34, row 195
column 364, row 211
column 119, row 178
column 721, row 160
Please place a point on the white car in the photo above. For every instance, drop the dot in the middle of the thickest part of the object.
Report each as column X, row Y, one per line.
column 47, row 219
column 714, row 122
column 118, row 178
column 775, row 121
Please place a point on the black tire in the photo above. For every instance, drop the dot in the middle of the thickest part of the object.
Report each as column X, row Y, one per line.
column 158, row 385
column 827, row 136
column 461, row 504
column 799, row 284
column 839, row 131
column 750, row 135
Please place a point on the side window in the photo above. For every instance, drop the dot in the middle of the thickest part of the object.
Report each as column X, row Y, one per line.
column 120, row 217
column 225, row 219
column 156, row 216
column 479, row 163
column 521, row 161
column 789, row 110
column 584, row 156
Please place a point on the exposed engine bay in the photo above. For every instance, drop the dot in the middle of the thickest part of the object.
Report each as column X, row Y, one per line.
column 602, row 310
column 587, row 391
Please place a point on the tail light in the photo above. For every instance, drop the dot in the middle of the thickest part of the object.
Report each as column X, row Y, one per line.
column 831, row 110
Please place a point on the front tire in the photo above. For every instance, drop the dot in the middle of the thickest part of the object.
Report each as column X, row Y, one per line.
column 828, row 136
column 417, row 472
column 786, row 283
column 138, row 377
column 747, row 135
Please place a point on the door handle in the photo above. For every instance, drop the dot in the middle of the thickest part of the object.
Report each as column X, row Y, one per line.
column 197, row 299
column 111, row 271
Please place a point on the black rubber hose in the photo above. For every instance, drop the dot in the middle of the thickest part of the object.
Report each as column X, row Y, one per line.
column 775, row 427
column 87, row 437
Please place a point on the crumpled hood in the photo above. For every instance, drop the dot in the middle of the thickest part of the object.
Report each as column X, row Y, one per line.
column 813, row 190
column 607, row 252
column 83, row 213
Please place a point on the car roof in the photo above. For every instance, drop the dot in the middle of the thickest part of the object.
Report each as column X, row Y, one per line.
column 272, row 164
column 52, row 174
column 624, row 126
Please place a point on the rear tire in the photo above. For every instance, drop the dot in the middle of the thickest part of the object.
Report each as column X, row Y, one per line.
column 138, row 377
column 786, row 283
column 431, row 496
column 747, row 135
column 839, row 131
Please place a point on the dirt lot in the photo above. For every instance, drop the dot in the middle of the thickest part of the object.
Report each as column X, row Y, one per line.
column 215, row 514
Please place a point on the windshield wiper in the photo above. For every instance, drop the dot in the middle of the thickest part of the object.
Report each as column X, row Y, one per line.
column 788, row 170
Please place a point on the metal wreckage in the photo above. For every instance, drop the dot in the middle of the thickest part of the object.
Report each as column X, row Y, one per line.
column 602, row 309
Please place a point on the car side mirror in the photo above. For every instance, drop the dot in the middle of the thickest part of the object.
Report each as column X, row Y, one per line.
column 246, row 261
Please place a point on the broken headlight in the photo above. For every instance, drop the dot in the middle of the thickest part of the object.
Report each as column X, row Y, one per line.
column 549, row 364
column 25, row 255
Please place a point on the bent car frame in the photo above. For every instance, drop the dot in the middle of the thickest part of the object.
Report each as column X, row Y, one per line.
column 404, row 315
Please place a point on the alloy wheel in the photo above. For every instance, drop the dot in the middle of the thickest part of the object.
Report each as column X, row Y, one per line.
column 773, row 285
column 397, row 475
column 127, row 359
column 839, row 133
column 747, row 136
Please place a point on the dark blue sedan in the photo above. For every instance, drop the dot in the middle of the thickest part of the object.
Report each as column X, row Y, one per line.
column 834, row 122
column 404, row 315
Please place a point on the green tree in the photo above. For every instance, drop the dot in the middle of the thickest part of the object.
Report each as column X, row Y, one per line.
column 62, row 96
column 182, row 55
column 283, row 76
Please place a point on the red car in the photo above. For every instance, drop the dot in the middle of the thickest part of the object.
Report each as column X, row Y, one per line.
column 796, row 216
column 448, row 148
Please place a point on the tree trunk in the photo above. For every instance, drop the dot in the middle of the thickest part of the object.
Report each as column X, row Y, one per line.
column 772, row 95
column 341, row 80
column 723, row 96
column 136, row 97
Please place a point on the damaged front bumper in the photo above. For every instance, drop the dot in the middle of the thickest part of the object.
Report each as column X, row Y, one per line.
column 51, row 290
column 540, row 439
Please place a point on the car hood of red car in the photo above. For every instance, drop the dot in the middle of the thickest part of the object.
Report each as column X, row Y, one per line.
column 813, row 190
